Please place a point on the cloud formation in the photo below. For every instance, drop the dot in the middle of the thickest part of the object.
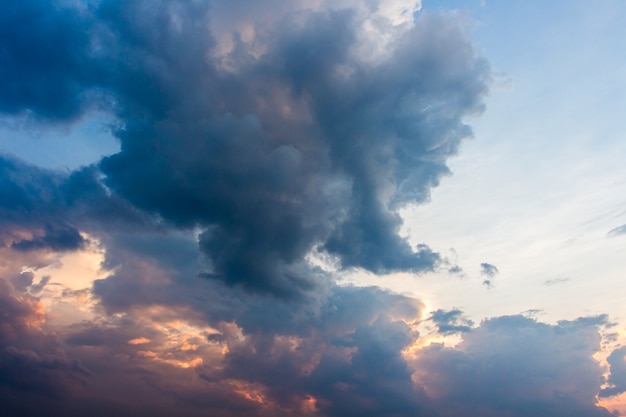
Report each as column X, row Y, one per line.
column 617, row 379
column 450, row 322
column 252, row 136
column 515, row 366
column 288, row 139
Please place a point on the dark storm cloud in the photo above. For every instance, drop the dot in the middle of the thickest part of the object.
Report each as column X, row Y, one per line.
column 513, row 366
column 44, row 210
column 345, row 349
column 234, row 165
column 27, row 192
column 304, row 144
column 617, row 231
column 347, row 355
column 375, row 381
column 153, row 268
column 57, row 238
column 43, row 65
column 34, row 214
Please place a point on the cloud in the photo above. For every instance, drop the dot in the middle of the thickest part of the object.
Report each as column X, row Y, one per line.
column 490, row 271
column 555, row 281
column 31, row 361
column 57, row 238
column 349, row 352
column 345, row 355
column 290, row 139
column 515, row 366
column 617, row 231
column 250, row 137
column 26, row 193
column 452, row 321
column 617, row 379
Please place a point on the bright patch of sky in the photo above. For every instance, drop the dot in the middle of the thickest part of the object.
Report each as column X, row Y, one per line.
column 65, row 147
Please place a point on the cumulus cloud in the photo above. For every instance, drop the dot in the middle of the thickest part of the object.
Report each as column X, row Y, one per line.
column 299, row 142
column 349, row 352
column 516, row 366
column 43, row 65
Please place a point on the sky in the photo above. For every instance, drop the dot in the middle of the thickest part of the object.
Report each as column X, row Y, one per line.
column 312, row 208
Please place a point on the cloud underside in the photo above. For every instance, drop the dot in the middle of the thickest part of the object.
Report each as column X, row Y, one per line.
column 250, row 141
column 354, row 352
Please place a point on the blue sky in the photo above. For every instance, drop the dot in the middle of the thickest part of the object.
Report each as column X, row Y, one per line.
column 539, row 186
column 548, row 153
column 314, row 208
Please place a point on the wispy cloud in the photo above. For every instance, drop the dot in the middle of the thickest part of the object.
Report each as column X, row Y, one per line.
column 618, row 231
column 555, row 281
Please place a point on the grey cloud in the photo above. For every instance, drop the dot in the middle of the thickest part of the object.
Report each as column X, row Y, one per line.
column 506, row 366
column 53, row 206
column 555, row 281
column 488, row 270
column 288, row 144
column 42, row 64
column 27, row 192
column 296, row 143
column 452, row 321
column 455, row 269
column 37, row 288
column 348, row 354
column 345, row 349
column 22, row 281
column 31, row 361
column 375, row 381
column 57, row 238
column 516, row 366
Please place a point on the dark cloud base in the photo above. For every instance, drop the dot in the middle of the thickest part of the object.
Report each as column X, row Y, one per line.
column 349, row 351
